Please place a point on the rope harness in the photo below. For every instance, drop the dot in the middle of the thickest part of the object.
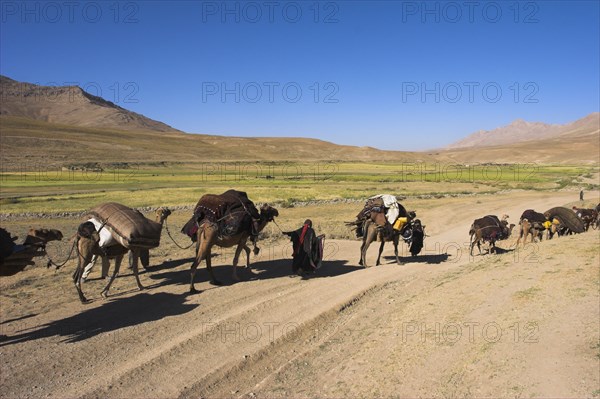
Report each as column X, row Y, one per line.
column 173, row 239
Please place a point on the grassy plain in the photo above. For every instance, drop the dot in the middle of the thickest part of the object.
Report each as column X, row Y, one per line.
column 285, row 184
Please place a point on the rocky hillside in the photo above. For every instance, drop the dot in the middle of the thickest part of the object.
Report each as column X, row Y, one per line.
column 70, row 105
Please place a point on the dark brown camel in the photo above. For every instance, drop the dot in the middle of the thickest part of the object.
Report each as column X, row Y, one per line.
column 208, row 235
column 491, row 229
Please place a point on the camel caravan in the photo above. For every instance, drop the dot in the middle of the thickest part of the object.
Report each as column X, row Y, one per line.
column 231, row 219
column 558, row 220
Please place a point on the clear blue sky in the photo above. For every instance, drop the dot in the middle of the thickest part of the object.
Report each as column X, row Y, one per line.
column 361, row 67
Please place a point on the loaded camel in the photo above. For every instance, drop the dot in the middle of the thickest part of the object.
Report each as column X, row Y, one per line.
column 372, row 222
column 225, row 220
column 564, row 221
column 88, row 241
column 491, row 229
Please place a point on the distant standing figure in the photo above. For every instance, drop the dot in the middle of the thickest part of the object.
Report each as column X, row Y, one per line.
column 581, row 195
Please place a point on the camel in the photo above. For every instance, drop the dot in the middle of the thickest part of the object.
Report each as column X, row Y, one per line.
column 564, row 221
column 588, row 216
column 532, row 223
column 377, row 225
column 15, row 257
column 208, row 235
column 88, row 247
column 489, row 228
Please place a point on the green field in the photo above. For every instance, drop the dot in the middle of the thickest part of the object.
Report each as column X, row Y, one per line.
column 49, row 190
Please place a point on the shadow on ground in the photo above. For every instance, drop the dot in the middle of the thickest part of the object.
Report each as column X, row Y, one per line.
column 111, row 316
column 261, row 270
column 430, row 259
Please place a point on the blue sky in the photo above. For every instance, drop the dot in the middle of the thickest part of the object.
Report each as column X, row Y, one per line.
column 396, row 75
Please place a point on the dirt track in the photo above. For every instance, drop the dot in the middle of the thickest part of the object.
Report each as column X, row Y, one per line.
column 520, row 324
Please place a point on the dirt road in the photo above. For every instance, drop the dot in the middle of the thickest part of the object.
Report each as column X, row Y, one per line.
column 523, row 323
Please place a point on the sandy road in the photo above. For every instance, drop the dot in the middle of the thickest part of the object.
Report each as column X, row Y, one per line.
column 347, row 332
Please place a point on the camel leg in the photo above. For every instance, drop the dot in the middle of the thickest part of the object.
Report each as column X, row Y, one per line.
column 361, row 262
column 363, row 253
column 236, row 258
column 380, row 251
column 135, row 258
column 197, row 261
column 471, row 246
column 118, row 261
column 247, row 250
column 208, row 260
column 82, row 260
column 77, row 282
column 369, row 237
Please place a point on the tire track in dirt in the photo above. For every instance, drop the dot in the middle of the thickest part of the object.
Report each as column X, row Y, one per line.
column 242, row 333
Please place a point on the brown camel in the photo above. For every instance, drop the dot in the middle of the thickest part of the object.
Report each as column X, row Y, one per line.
column 87, row 247
column 532, row 223
column 491, row 229
column 208, row 235
column 376, row 224
column 527, row 228
column 374, row 227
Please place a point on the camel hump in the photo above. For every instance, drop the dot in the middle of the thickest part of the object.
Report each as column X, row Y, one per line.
column 566, row 217
column 133, row 228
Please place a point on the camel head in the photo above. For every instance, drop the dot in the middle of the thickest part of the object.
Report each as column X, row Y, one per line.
column 162, row 214
column 44, row 235
column 506, row 228
column 88, row 230
column 268, row 213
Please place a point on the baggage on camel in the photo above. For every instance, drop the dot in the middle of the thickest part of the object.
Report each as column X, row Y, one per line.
column 383, row 204
column 132, row 229
column 232, row 211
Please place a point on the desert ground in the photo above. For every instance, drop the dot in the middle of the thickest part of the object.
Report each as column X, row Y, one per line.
column 520, row 323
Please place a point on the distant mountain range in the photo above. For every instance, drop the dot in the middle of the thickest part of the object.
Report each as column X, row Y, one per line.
column 520, row 131
column 66, row 125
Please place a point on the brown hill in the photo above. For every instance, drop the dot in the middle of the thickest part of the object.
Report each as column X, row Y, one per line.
column 26, row 142
column 70, row 105
column 522, row 131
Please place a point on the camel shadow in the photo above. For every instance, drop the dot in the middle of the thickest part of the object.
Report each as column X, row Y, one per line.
column 261, row 270
column 434, row 259
column 112, row 316
column 171, row 264
column 498, row 251
column 283, row 268
column 19, row 318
